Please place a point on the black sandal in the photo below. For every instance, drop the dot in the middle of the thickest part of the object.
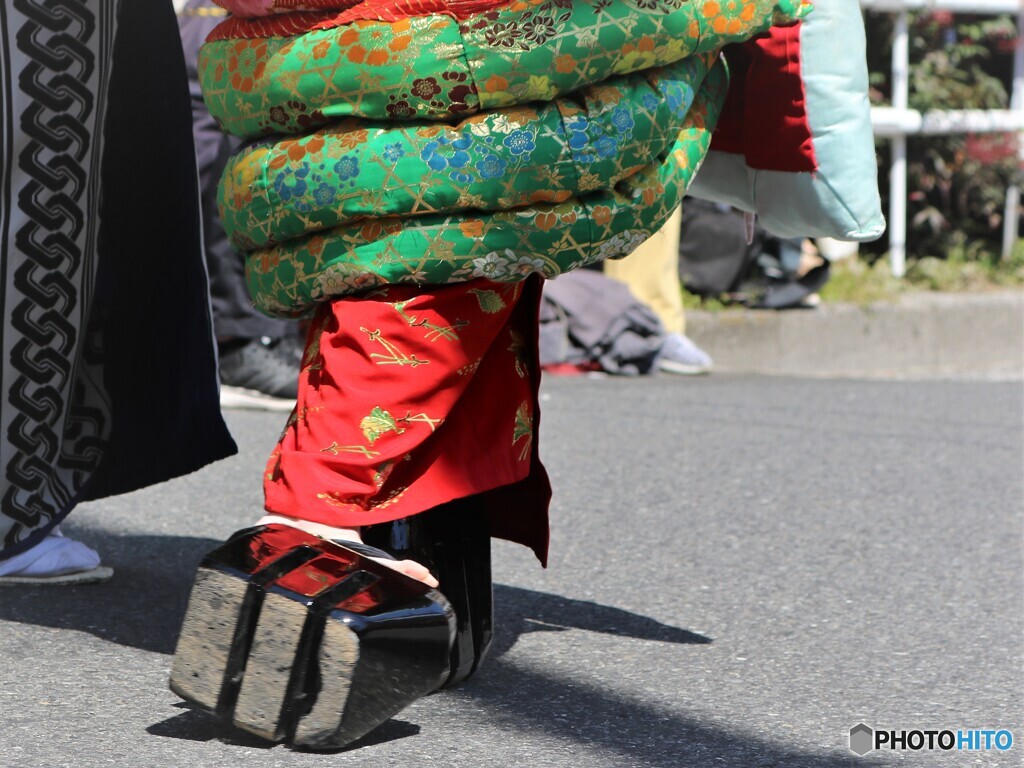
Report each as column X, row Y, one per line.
column 453, row 541
column 303, row 640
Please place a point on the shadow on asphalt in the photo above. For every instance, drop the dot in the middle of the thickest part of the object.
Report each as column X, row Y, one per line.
column 518, row 611
column 529, row 701
column 143, row 606
column 196, row 725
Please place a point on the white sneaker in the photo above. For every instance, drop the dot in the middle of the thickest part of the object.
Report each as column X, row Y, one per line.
column 680, row 355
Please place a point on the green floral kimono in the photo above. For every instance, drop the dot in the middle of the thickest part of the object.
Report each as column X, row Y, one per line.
column 533, row 137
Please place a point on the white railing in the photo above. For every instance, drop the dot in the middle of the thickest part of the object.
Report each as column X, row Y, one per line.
column 899, row 121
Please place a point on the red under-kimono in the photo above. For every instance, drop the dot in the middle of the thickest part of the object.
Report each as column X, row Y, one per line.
column 412, row 397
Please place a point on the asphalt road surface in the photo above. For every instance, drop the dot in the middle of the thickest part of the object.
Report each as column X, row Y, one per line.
column 742, row 569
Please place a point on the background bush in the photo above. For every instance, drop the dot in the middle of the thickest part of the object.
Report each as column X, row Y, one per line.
column 956, row 184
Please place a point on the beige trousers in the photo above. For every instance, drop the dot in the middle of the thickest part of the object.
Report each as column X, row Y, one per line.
column 652, row 274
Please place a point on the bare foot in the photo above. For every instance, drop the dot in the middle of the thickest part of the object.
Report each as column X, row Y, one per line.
column 410, row 568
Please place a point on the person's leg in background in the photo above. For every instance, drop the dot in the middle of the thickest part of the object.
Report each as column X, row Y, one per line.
column 259, row 355
column 652, row 274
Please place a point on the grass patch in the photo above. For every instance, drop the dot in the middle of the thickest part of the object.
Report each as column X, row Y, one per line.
column 852, row 281
column 695, row 302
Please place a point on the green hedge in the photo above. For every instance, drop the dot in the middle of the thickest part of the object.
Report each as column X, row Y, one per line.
column 956, row 184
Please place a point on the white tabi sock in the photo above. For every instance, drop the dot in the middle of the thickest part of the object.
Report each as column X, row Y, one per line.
column 53, row 556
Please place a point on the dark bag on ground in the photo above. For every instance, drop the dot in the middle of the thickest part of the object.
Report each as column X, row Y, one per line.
column 714, row 256
column 716, row 261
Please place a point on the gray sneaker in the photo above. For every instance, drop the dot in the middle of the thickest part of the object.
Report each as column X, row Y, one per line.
column 680, row 355
column 258, row 374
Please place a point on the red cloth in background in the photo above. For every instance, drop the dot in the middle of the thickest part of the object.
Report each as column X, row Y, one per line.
column 410, row 399
column 765, row 113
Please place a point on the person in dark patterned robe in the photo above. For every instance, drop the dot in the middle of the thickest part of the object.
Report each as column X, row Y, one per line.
column 107, row 366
